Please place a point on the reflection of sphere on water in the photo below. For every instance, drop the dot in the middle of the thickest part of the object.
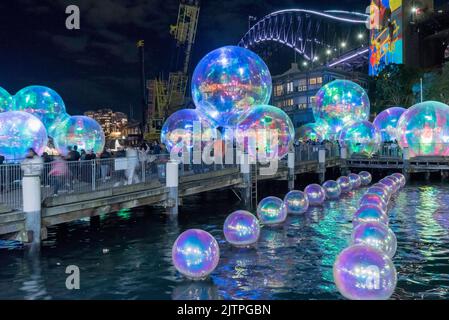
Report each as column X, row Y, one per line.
column 228, row 82
column 375, row 200
column 340, row 103
column 402, row 178
column 267, row 130
column 81, row 131
column 366, row 178
column 332, row 189
column 195, row 254
column 355, row 180
column 316, row 194
column 382, row 192
column 42, row 102
column 241, row 228
column 185, row 127
column 377, row 235
column 20, row 131
column 52, row 130
column 364, row 273
column 272, row 210
column 424, row 129
column 387, row 121
column 360, row 138
column 369, row 213
column 345, row 184
column 5, row 100
column 316, row 131
column 296, row 202
column 197, row 290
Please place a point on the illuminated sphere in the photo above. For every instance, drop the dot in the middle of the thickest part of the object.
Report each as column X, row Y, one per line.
column 340, row 103
column 267, row 129
column 316, row 131
column 390, row 183
column 241, row 228
column 316, row 194
column 382, row 192
column 364, row 273
column 398, row 184
column 375, row 200
column 6, row 100
column 366, row 178
column 184, row 127
column 332, row 190
column 424, row 129
column 228, row 82
column 52, row 130
column 42, row 102
column 272, row 210
column 296, row 202
column 377, row 235
column 356, row 181
column 195, row 254
column 81, row 131
column 369, row 213
column 360, row 138
column 401, row 178
column 387, row 188
column 20, row 131
column 345, row 184
column 387, row 121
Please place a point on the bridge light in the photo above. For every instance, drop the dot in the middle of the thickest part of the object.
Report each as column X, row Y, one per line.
column 343, row 44
column 360, row 36
column 328, row 52
column 305, row 64
column 414, row 9
column 315, row 58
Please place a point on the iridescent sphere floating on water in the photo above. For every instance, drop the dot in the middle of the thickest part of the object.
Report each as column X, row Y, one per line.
column 6, row 100
column 195, row 254
column 366, row 178
column 402, row 178
column 340, row 103
column 387, row 188
column 316, row 131
column 332, row 189
column 296, row 202
column 184, row 128
column 356, row 181
column 42, row 102
column 369, row 213
column 390, row 183
column 382, row 192
column 241, row 228
column 316, row 194
column 80, row 131
column 387, row 121
column 360, row 138
column 345, row 184
column 272, row 210
column 364, row 273
column 375, row 200
column 397, row 181
column 20, row 131
column 228, row 82
column 424, row 129
column 377, row 235
column 266, row 131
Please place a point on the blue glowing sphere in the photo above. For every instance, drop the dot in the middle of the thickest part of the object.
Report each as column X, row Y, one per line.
column 271, row 211
column 184, row 128
column 241, row 229
column 360, row 138
column 377, row 235
column 332, row 190
column 195, row 254
column 6, row 100
column 80, row 131
column 316, row 131
column 20, row 131
column 356, row 180
column 296, row 202
column 52, row 130
column 369, row 213
column 316, row 194
column 345, row 184
column 365, row 177
column 42, row 102
column 228, row 82
column 387, row 121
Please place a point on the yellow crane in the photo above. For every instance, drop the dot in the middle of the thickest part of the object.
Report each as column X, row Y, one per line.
column 166, row 96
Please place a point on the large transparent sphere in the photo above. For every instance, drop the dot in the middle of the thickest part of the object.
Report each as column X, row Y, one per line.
column 364, row 273
column 360, row 138
column 369, row 213
column 272, row 210
column 266, row 130
column 228, row 82
column 345, row 184
column 20, row 131
column 356, row 180
column 375, row 200
column 52, row 130
column 341, row 102
column 332, row 189
column 241, row 228
column 387, row 121
column 296, row 202
column 377, row 235
column 185, row 127
column 42, row 102
column 366, row 177
column 80, row 131
column 5, row 100
column 195, row 254
column 316, row 131
column 316, row 194
column 424, row 129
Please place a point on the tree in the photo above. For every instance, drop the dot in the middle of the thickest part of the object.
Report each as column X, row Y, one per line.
column 439, row 89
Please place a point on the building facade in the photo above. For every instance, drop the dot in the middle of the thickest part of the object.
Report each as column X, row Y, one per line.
column 294, row 91
column 113, row 123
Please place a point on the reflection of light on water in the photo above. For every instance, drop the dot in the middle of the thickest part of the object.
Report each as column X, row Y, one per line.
column 124, row 214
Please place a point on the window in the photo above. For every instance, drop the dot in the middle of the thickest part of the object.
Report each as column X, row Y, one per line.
column 278, row 90
column 319, row 80
column 290, row 87
column 302, row 82
column 312, row 81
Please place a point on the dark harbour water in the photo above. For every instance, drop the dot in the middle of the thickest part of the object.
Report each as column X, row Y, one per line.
column 129, row 255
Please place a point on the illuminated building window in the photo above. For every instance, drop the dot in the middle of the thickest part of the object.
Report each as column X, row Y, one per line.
column 312, row 81
column 290, row 87
column 319, row 80
column 279, row 90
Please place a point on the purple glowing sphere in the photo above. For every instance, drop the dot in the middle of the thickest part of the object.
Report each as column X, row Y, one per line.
column 382, row 192
column 296, row 202
column 271, row 211
column 366, row 178
column 377, row 235
column 375, row 200
column 369, row 213
column 332, row 190
column 241, row 229
column 401, row 177
column 356, row 181
column 316, row 194
column 345, row 184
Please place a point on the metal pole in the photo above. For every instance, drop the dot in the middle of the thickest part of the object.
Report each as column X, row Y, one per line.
column 322, row 163
column 422, row 93
column 172, row 181
column 141, row 46
column 31, row 191
column 291, row 171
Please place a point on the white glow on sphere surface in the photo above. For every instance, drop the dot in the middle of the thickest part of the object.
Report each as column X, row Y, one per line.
column 386, row 122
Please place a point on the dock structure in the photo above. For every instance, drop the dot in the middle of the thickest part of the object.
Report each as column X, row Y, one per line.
column 99, row 187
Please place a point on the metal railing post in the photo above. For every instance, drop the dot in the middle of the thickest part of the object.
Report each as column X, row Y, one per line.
column 94, row 175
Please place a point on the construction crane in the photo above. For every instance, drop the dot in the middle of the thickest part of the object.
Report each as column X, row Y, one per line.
column 166, row 96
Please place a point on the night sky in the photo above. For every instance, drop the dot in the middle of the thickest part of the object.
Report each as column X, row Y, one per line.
column 97, row 66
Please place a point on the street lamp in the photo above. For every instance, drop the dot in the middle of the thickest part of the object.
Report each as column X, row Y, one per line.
column 343, row 44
